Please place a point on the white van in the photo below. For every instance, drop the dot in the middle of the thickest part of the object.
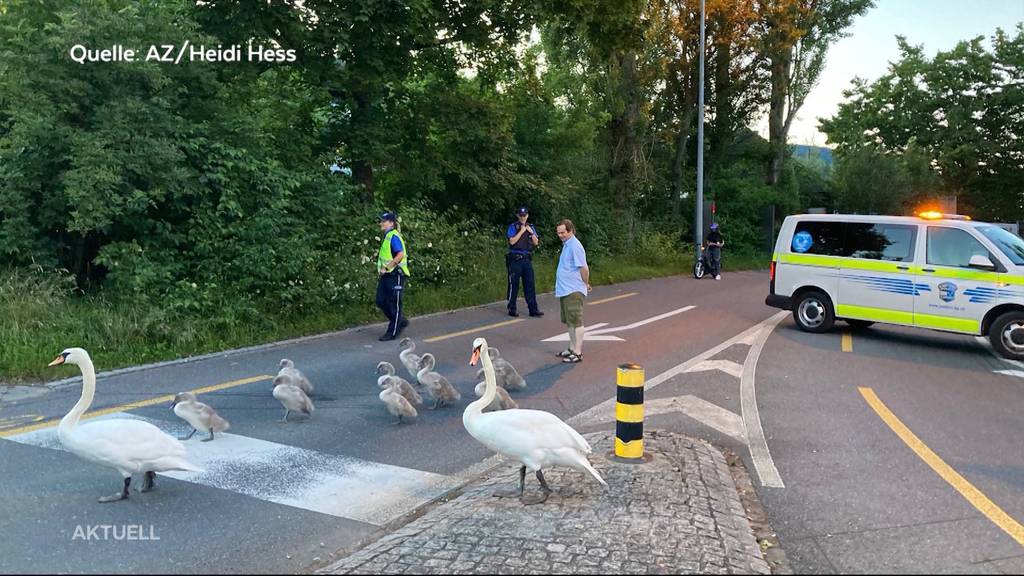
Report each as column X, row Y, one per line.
column 932, row 271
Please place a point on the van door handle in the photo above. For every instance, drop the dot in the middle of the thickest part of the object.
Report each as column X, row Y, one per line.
column 903, row 267
column 928, row 269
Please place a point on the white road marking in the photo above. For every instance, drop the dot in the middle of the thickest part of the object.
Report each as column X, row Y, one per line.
column 759, row 453
column 727, row 366
column 591, row 334
column 1014, row 373
column 339, row 486
column 608, row 406
column 707, row 413
column 587, row 335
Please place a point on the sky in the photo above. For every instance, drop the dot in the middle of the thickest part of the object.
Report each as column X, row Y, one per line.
column 871, row 45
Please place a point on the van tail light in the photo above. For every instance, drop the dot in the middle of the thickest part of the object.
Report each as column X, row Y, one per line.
column 772, row 273
column 771, row 276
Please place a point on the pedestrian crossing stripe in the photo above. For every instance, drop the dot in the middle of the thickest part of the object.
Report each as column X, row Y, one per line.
column 335, row 485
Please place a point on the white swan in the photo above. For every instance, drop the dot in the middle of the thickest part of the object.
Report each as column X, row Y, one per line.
column 128, row 446
column 535, row 438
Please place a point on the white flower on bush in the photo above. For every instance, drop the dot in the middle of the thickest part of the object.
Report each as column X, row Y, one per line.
column 348, row 285
column 430, row 244
column 194, row 285
column 365, row 258
column 465, row 233
column 366, row 241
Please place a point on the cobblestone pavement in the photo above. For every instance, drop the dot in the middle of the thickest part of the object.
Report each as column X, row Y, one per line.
column 678, row 513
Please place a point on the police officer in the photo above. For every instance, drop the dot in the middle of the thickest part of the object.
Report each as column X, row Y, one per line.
column 393, row 267
column 522, row 239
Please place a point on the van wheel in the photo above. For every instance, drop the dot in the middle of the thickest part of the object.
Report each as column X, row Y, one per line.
column 813, row 313
column 859, row 324
column 1007, row 335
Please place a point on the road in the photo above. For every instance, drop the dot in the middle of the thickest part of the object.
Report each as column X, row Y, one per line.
column 842, row 489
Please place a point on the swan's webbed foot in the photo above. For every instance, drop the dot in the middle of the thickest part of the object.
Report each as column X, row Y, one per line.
column 148, row 481
column 123, row 495
column 208, row 439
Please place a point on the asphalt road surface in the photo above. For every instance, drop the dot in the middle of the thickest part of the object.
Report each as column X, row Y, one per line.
column 843, row 489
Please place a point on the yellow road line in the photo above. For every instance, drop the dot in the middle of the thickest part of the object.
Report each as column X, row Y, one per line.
column 958, row 482
column 847, row 342
column 612, row 299
column 133, row 405
column 472, row 330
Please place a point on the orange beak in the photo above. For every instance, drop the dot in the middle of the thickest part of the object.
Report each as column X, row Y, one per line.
column 475, row 358
column 56, row 361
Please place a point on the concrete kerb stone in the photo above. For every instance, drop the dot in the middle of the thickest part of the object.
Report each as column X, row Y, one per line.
column 681, row 513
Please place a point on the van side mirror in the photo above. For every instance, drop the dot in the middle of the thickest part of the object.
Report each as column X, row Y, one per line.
column 979, row 261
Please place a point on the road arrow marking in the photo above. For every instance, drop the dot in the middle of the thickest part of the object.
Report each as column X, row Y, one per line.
column 591, row 334
column 728, row 366
column 711, row 415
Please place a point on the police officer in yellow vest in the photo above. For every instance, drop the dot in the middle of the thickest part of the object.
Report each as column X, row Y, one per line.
column 393, row 267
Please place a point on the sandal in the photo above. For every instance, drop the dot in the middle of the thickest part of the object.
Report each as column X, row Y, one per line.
column 572, row 358
column 564, row 353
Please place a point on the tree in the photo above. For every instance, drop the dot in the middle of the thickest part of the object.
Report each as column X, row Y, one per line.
column 797, row 36
column 959, row 112
column 361, row 50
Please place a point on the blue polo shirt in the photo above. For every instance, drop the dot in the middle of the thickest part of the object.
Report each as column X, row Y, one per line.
column 568, row 278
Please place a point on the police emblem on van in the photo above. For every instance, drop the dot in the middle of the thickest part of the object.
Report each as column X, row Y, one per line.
column 947, row 291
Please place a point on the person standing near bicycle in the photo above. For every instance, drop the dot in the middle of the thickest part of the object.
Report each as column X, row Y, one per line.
column 715, row 244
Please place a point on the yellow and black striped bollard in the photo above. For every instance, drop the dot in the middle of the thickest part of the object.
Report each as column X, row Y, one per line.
column 629, row 413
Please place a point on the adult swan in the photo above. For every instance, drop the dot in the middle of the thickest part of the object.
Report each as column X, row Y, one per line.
column 128, row 446
column 536, row 439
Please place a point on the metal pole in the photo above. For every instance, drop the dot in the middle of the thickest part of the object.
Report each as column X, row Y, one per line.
column 698, row 232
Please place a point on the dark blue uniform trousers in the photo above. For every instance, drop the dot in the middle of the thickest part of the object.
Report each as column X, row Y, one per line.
column 521, row 268
column 389, row 299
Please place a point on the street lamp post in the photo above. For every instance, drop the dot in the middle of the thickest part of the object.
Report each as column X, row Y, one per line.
column 698, row 232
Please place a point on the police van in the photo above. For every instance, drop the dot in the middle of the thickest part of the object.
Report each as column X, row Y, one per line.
column 937, row 271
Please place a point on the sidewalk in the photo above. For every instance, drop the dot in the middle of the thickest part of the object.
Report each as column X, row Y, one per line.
column 678, row 513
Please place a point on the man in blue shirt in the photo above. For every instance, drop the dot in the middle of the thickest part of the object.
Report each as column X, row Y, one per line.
column 572, row 284
column 522, row 239
column 393, row 268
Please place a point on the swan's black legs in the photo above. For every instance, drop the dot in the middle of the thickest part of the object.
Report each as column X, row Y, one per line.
column 545, row 490
column 210, row 438
column 190, row 434
column 148, row 481
column 286, row 412
column 122, row 496
column 513, row 493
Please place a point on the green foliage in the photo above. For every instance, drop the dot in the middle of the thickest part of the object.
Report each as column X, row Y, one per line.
column 952, row 122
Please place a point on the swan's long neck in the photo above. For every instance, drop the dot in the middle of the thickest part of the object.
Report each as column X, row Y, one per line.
column 69, row 422
column 476, row 408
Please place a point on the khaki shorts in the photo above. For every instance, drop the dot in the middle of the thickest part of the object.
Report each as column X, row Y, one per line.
column 572, row 309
